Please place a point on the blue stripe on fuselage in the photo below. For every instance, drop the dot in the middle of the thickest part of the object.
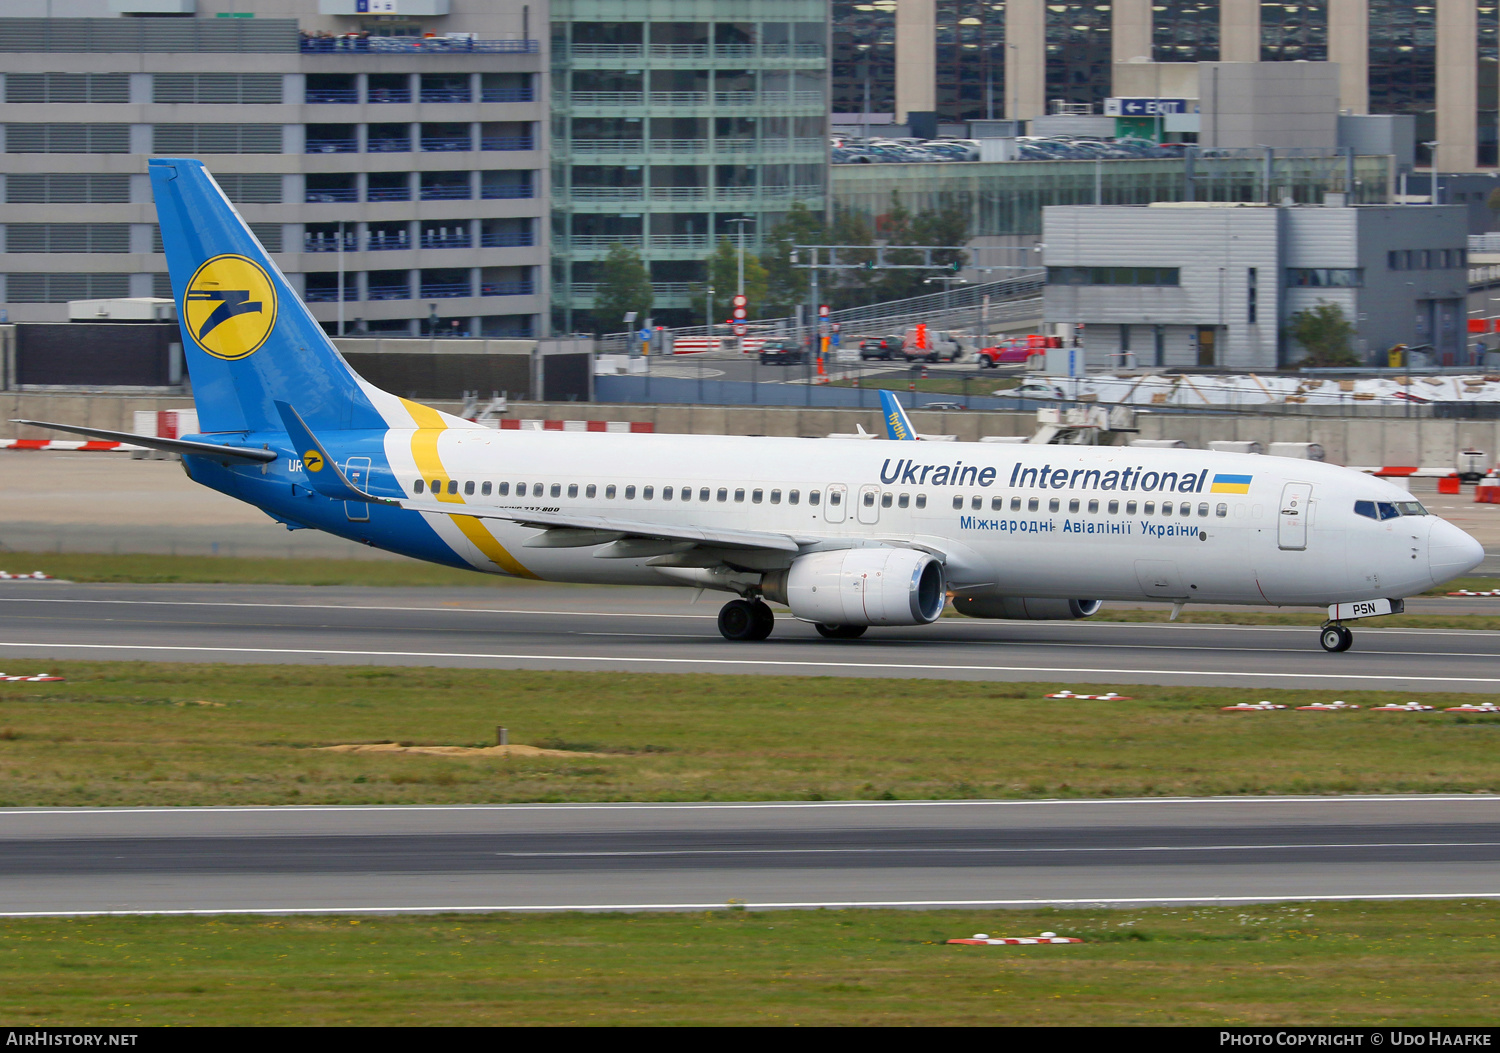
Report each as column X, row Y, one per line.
column 283, row 493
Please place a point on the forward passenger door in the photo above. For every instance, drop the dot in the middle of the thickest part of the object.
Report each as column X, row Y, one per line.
column 1291, row 522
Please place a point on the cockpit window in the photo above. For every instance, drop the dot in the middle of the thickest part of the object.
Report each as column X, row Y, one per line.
column 1388, row 509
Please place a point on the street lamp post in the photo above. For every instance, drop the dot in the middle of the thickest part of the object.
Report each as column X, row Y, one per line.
column 740, row 283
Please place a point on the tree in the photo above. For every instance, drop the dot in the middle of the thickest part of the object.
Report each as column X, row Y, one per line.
column 1325, row 333
column 723, row 275
column 624, row 286
column 786, row 285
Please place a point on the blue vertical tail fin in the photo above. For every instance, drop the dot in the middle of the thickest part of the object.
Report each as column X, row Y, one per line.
column 897, row 426
column 248, row 338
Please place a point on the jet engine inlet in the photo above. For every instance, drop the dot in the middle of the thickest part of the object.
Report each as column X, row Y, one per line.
column 861, row 586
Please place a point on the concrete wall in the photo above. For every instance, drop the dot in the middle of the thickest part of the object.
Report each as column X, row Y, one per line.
column 1394, row 441
column 1281, row 104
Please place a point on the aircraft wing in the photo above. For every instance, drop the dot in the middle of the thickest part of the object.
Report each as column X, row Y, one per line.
column 564, row 531
column 151, row 442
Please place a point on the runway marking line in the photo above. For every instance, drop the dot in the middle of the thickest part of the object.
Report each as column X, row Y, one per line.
column 906, row 851
column 967, row 623
column 753, row 662
column 710, row 806
column 1138, row 901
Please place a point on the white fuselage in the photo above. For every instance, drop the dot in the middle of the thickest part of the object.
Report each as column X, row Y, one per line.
column 1037, row 521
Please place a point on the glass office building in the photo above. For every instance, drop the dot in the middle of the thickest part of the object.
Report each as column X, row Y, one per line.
column 672, row 120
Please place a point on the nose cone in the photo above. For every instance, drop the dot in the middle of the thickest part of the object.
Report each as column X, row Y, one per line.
column 1451, row 552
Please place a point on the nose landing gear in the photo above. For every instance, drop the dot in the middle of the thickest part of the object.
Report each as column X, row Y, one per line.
column 746, row 620
column 1335, row 638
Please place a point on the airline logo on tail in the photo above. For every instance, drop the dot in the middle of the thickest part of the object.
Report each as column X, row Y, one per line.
column 897, row 426
column 230, row 306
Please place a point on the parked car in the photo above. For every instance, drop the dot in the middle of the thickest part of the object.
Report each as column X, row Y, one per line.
column 937, row 345
column 994, row 357
column 881, row 347
column 940, row 406
column 780, row 353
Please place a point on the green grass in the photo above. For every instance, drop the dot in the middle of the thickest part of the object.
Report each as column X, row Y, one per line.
column 1316, row 964
column 125, row 733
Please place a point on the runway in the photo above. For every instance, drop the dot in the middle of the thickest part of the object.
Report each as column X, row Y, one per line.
column 662, row 630
column 701, row 856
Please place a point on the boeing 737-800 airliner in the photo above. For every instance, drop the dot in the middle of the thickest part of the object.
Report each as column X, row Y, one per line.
column 848, row 534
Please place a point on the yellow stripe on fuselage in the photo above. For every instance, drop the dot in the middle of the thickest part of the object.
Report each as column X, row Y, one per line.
column 424, row 450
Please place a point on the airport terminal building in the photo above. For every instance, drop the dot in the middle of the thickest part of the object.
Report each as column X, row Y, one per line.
column 1213, row 285
column 403, row 150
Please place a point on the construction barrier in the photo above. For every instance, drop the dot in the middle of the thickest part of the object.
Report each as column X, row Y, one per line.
column 1402, row 707
column 1251, row 707
column 1474, row 707
column 1450, row 484
column 1108, row 696
column 39, row 678
column 980, row 939
column 1326, row 707
column 1488, row 490
column 35, row 575
column 1467, row 592
column 1404, row 472
column 73, row 445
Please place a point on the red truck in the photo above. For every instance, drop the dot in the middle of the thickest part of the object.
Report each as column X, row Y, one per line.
column 1015, row 352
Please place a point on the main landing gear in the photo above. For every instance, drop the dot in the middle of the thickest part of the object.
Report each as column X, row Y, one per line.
column 746, row 620
column 1336, row 638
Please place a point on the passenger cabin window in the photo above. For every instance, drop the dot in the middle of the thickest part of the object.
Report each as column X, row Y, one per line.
column 1166, row 508
column 885, row 500
column 921, row 500
column 813, row 496
column 1053, row 505
column 666, row 493
column 469, row 488
column 520, row 489
column 958, row 501
column 869, row 498
column 757, row 496
column 724, row 493
column 703, row 493
column 1073, row 505
column 609, row 492
column 739, row 495
column 453, row 486
column 776, row 497
column 484, row 489
column 977, row 503
column 557, row 489
column 1150, row 507
column 1203, row 509
column 1129, row 508
column 647, row 492
column 1033, row 504
column 1114, row 508
column 437, row 486
column 417, row 487
column 834, row 497
column 1093, row 508
column 793, row 496
column 1221, row 510
column 630, row 493
column 572, row 489
column 504, row 489
column 590, row 490
column 1015, row 504
column 903, row 501
column 1186, row 508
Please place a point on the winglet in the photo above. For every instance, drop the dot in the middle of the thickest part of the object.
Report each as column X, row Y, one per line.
column 896, row 424
column 323, row 472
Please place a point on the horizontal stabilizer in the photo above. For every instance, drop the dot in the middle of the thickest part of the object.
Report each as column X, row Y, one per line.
column 322, row 471
column 152, row 442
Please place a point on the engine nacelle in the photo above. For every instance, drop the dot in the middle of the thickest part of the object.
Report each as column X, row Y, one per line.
column 862, row 586
column 985, row 604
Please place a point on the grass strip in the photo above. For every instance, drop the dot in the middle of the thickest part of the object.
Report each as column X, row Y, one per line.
column 1345, row 964
column 137, row 733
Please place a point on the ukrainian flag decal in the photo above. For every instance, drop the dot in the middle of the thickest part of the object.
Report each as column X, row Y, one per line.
column 1230, row 484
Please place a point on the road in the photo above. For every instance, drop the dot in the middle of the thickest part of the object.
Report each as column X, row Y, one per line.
column 526, row 626
column 696, row 856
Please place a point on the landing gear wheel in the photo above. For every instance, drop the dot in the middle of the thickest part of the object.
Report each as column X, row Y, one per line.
column 840, row 632
column 1336, row 638
column 765, row 621
column 739, row 620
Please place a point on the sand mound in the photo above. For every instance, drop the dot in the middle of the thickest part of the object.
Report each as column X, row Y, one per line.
column 455, row 751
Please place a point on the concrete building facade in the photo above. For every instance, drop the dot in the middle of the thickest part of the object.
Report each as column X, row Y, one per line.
column 1213, row 286
column 1436, row 60
column 405, row 149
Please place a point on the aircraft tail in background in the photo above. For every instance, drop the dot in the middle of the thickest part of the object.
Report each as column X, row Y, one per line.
column 897, row 426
